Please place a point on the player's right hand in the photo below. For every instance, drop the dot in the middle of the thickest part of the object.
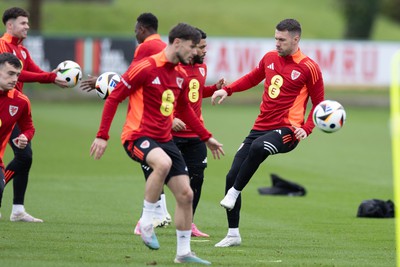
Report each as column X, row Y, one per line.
column 98, row 148
column 89, row 84
column 215, row 147
column 221, row 93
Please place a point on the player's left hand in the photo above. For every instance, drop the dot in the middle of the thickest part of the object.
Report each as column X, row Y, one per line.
column 60, row 82
column 300, row 133
column 215, row 147
column 98, row 148
column 178, row 125
column 221, row 83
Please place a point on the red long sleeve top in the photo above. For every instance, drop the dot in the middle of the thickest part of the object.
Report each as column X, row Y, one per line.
column 155, row 88
column 14, row 108
column 288, row 84
column 30, row 71
column 197, row 75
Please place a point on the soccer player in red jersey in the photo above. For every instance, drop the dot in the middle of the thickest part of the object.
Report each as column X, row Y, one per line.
column 149, row 40
column 16, row 21
column 156, row 87
column 150, row 43
column 290, row 79
column 14, row 108
column 194, row 151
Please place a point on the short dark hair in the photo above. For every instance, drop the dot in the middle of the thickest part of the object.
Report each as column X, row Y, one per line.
column 290, row 25
column 13, row 13
column 203, row 34
column 10, row 59
column 184, row 31
column 149, row 21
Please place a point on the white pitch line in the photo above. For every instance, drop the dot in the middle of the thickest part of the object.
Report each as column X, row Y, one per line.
column 276, row 261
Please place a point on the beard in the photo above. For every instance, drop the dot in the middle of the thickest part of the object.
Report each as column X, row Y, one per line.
column 197, row 59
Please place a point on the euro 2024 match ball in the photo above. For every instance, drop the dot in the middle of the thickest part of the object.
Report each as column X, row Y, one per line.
column 106, row 83
column 329, row 116
column 71, row 72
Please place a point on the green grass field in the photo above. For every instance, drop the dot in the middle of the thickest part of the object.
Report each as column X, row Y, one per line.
column 90, row 207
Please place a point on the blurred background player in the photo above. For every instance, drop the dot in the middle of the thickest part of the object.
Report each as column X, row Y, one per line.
column 193, row 150
column 155, row 87
column 291, row 78
column 14, row 108
column 150, row 43
column 16, row 22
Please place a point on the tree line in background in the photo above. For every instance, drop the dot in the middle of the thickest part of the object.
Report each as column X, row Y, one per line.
column 359, row 15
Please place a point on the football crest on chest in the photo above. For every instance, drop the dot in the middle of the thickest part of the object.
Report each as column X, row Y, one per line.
column 12, row 110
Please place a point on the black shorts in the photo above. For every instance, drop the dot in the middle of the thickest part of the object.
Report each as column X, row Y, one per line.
column 139, row 148
column 281, row 140
column 194, row 151
column 2, row 183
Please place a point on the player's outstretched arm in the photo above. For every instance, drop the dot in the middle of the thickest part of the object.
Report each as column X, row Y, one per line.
column 221, row 93
column 98, row 148
column 215, row 147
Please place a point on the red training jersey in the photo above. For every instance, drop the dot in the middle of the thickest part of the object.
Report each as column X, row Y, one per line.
column 151, row 45
column 154, row 87
column 289, row 82
column 197, row 90
column 14, row 108
column 30, row 71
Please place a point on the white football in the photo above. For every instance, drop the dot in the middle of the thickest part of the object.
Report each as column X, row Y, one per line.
column 70, row 71
column 106, row 83
column 329, row 116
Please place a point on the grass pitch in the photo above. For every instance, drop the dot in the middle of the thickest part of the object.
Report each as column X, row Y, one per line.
column 90, row 207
